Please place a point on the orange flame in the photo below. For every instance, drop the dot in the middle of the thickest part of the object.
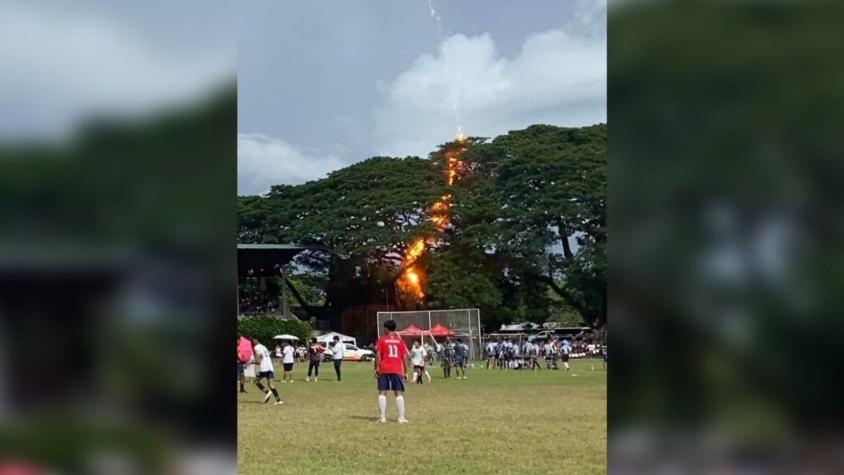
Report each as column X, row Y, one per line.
column 410, row 281
column 415, row 250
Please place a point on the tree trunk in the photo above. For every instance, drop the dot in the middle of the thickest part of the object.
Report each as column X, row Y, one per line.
column 564, row 240
column 296, row 295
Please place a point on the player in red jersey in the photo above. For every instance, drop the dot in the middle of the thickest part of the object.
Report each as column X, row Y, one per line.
column 391, row 361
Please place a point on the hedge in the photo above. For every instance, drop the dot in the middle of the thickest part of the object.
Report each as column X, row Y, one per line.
column 264, row 328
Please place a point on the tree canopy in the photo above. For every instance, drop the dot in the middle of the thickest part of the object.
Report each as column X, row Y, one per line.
column 527, row 233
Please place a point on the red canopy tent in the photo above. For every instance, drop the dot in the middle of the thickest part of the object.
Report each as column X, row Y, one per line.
column 411, row 330
column 441, row 330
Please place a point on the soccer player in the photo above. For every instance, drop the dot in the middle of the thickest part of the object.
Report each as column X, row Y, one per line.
column 550, row 356
column 265, row 371
column 533, row 349
column 314, row 357
column 565, row 351
column 391, row 357
column 490, row 354
column 417, row 356
column 337, row 357
column 429, row 358
column 461, row 352
column 448, row 357
column 287, row 359
column 604, row 356
column 500, row 349
column 508, row 353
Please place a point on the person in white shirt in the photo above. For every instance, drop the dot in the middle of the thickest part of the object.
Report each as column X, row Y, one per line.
column 418, row 355
column 490, row 354
column 338, row 349
column 533, row 356
column 287, row 359
column 550, row 354
column 265, row 371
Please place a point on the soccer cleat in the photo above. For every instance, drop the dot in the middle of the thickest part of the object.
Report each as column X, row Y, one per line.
column 279, row 402
column 308, row 379
column 403, row 421
column 267, row 396
column 382, row 420
column 316, row 379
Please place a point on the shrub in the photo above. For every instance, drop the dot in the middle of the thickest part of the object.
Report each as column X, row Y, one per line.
column 264, row 328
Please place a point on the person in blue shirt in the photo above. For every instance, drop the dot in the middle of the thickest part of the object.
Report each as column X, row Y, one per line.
column 461, row 353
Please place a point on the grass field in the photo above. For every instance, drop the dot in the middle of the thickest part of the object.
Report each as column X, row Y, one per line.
column 493, row 422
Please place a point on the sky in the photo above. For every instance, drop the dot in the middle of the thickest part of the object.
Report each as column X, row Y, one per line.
column 323, row 84
column 64, row 62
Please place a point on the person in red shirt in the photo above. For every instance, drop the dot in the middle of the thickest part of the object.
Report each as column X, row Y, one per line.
column 391, row 361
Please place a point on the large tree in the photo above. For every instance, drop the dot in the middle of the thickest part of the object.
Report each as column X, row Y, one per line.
column 526, row 240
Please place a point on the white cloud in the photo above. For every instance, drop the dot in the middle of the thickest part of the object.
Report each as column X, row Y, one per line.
column 557, row 78
column 59, row 67
column 264, row 161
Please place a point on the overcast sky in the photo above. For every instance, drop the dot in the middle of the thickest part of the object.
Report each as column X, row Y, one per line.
column 65, row 61
column 321, row 83
column 325, row 83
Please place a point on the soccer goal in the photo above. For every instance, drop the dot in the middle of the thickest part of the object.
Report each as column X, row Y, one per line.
column 464, row 323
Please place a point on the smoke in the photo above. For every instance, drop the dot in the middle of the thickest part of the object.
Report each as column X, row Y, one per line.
column 454, row 92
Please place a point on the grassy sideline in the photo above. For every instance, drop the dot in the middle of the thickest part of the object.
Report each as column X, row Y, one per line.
column 493, row 422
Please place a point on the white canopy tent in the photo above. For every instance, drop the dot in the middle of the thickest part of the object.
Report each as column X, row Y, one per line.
column 328, row 338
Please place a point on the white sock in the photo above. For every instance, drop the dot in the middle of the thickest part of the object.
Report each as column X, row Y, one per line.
column 567, row 366
column 382, row 405
column 400, row 405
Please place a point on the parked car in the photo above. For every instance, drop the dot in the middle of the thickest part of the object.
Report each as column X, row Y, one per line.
column 352, row 353
column 569, row 333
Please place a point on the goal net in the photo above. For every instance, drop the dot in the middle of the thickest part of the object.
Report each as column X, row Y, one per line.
column 427, row 325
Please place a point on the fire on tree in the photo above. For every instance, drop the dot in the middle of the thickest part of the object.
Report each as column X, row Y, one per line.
column 411, row 278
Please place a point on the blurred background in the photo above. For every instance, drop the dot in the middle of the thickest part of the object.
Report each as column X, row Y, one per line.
column 725, row 237
column 117, row 218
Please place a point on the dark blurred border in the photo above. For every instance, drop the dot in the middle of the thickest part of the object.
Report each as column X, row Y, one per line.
column 725, row 230
column 117, row 294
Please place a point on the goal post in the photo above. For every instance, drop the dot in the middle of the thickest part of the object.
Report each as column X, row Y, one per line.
column 464, row 323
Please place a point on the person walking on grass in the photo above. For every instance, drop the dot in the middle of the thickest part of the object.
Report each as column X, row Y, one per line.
column 448, row 357
column 417, row 357
column 314, row 357
column 244, row 357
column 391, row 358
column 461, row 353
column 534, row 356
column 337, row 357
column 500, row 350
column 265, row 371
column 550, row 357
column 489, row 350
column 288, row 356
column 565, row 351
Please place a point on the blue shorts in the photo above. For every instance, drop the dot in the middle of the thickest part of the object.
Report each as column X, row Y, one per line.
column 266, row 374
column 460, row 362
column 390, row 382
